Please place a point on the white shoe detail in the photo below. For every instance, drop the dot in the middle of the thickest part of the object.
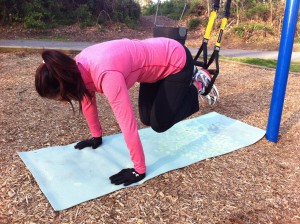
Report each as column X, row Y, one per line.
column 204, row 77
column 136, row 174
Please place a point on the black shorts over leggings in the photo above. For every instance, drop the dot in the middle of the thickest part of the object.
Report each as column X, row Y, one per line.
column 170, row 100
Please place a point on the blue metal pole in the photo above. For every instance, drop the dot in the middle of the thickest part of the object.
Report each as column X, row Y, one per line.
column 282, row 69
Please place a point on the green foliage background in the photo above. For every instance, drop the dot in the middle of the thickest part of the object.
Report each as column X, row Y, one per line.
column 246, row 17
column 50, row 13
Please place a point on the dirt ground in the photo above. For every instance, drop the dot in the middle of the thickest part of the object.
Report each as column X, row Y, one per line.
column 256, row 184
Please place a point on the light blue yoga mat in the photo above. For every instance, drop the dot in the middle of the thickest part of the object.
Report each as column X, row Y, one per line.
column 68, row 176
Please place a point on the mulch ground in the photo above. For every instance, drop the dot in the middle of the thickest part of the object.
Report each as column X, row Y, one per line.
column 256, row 184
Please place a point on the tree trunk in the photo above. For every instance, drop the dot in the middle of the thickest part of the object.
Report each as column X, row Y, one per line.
column 271, row 12
column 208, row 9
column 237, row 13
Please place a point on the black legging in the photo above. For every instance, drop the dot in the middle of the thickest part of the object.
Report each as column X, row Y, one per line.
column 170, row 100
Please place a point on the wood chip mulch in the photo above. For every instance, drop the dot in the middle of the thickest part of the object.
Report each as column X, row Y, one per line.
column 256, row 184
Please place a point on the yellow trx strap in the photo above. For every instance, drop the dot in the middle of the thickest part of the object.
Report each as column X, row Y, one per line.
column 215, row 54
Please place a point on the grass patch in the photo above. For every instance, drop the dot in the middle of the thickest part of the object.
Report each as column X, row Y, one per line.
column 57, row 37
column 269, row 63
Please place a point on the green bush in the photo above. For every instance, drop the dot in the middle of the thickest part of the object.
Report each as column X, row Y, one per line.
column 193, row 23
column 49, row 13
column 149, row 10
column 259, row 12
column 248, row 28
column 126, row 11
column 84, row 16
column 34, row 21
column 36, row 15
column 172, row 9
column 196, row 7
column 239, row 30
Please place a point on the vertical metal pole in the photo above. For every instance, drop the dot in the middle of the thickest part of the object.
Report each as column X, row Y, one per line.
column 282, row 69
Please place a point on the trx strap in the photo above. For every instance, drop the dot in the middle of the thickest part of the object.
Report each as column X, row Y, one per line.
column 215, row 54
column 206, row 37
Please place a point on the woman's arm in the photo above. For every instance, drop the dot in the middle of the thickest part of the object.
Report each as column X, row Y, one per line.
column 90, row 111
column 116, row 92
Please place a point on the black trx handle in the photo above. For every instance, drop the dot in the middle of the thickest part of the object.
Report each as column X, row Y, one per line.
column 216, row 5
column 227, row 9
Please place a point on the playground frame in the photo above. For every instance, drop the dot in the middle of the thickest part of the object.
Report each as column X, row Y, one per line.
column 282, row 69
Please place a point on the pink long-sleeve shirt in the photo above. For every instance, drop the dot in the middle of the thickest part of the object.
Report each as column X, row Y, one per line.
column 112, row 68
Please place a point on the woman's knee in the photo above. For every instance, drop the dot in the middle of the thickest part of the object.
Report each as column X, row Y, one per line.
column 159, row 128
column 145, row 121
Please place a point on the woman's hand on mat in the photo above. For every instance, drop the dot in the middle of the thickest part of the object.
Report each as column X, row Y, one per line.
column 93, row 142
column 127, row 177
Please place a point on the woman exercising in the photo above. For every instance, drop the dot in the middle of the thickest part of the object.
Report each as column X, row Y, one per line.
column 168, row 93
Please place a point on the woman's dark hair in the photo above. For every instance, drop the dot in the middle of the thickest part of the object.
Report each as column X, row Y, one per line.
column 59, row 77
